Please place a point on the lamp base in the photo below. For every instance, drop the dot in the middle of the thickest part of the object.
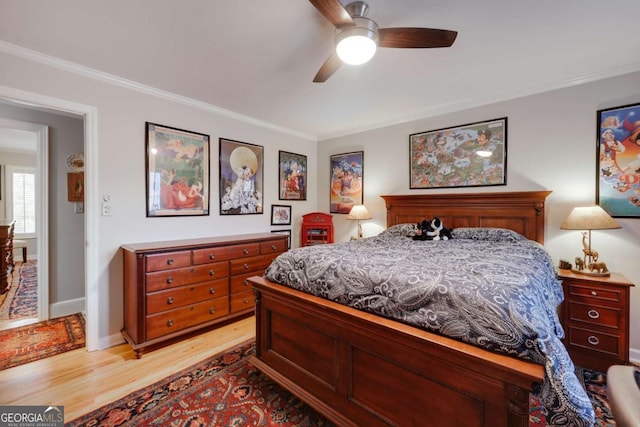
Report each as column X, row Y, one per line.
column 591, row 273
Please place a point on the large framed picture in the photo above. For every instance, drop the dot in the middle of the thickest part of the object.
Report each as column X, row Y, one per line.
column 280, row 215
column 292, row 176
column 177, row 171
column 471, row 155
column 618, row 161
column 241, row 178
column 347, row 181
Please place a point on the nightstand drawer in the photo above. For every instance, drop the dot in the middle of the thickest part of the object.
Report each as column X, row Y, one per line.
column 591, row 291
column 596, row 315
column 595, row 341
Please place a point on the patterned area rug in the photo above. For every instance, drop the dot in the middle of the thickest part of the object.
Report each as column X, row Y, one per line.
column 226, row 390
column 25, row 301
column 44, row 339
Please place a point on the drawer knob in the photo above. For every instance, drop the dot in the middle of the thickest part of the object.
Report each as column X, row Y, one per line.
column 246, row 282
column 593, row 340
column 594, row 293
column 593, row 314
column 212, row 310
column 246, row 251
column 170, row 261
column 212, row 256
column 246, row 300
column 246, row 266
column 170, row 279
column 212, row 291
column 169, row 323
column 274, row 247
column 170, row 300
column 212, row 273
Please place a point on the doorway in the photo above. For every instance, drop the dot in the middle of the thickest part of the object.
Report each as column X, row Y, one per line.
column 31, row 140
column 91, row 219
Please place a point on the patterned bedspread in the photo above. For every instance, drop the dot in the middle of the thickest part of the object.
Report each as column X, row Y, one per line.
column 492, row 288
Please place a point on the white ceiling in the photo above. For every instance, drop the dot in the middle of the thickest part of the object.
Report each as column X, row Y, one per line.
column 257, row 58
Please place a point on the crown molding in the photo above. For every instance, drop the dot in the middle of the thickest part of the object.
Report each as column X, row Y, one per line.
column 72, row 67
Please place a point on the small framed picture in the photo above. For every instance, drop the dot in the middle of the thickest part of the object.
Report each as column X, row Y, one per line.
column 287, row 232
column 280, row 215
column 292, row 172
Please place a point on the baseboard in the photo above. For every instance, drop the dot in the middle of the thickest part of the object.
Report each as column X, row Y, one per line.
column 111, row 341
column 634, row 356
column 65, row 308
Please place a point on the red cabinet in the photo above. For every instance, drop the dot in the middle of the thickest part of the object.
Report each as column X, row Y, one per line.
column 317, row 229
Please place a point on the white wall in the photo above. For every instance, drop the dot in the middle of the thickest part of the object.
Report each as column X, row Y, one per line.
column 122, row 111
column 551, row 145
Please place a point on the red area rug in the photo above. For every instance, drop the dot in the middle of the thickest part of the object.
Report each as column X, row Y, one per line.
column 44, row 339
column 25, row 301
column 226, row 390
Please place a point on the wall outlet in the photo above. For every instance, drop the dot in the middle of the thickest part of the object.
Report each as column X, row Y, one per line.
column 106, row 209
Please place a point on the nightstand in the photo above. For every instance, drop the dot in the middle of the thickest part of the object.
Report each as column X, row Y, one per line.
column 595, row 318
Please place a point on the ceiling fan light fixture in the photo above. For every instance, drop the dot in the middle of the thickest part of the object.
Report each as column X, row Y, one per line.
column 357, row 45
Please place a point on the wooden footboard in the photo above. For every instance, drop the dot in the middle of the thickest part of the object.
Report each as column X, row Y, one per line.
column 359, row 369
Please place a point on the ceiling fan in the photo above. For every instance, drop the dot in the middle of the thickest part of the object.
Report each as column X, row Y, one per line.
column 360, row 36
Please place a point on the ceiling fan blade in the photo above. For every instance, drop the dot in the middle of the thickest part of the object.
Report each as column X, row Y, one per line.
column 408, row 37
column 329, row 67
column 333, row 11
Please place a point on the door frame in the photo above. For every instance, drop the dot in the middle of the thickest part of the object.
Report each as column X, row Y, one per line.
column 90, row 115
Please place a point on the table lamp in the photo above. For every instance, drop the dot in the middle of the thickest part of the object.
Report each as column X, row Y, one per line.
column 359, row 212
column 589, row 218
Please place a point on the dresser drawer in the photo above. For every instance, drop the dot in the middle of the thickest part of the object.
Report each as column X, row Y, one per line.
column 255, row 264
column 186, row 276
column 166, row 261
column 185, row 295
column 595, row 292
column 595, row 341
column 248, row 249
column 242, row 301
column 240, row 283
column 276, row 246
column 204, row 256
column 597, row 315
column 181, row 318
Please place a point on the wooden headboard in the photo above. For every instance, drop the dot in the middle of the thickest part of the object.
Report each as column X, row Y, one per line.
column 521, row 211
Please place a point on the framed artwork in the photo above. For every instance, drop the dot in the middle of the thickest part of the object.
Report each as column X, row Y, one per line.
column 177, row 171
column 287, row 232
column 618, row 161
column 280, row 215
column 471, row 155
column 346, row 181
column 75, row 186
column 241, row 178
column 292, row 176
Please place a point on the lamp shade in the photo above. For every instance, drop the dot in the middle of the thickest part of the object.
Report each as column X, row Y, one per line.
column 359, row 212
column 357, row 44
column 589, row 218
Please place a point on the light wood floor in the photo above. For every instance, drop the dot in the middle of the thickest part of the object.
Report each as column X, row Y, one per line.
column 82, row 381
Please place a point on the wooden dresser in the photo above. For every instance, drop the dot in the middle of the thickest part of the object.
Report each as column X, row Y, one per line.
column 595, row 317
column 6, row 253
column 176, row 288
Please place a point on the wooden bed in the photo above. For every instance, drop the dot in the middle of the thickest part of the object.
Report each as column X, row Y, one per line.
column 359, row 369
